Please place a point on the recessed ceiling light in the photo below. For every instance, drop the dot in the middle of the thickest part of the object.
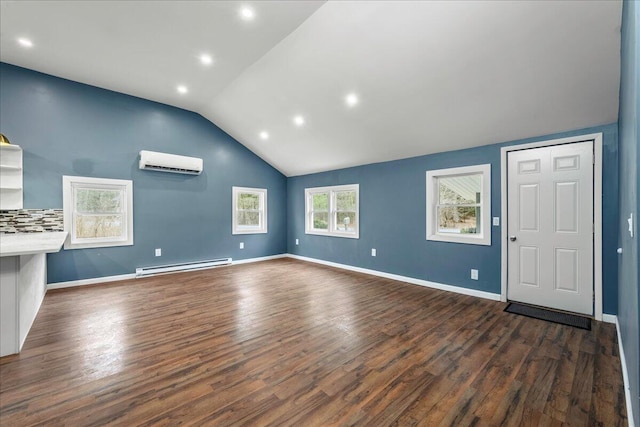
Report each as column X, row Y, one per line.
column 182, row 89
column 298, row 120
column 25, row 42
column 247, row 13
column 351, row 99
column 264, row 135
column 206, row 59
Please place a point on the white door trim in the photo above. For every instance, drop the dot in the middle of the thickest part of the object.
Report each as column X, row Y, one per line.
column 597, row 210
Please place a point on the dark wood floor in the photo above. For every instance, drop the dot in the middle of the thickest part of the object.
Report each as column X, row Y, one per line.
column 286, row 342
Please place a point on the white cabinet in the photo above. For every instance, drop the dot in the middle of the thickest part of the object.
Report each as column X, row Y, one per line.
column 10, row 177
column 23, row 283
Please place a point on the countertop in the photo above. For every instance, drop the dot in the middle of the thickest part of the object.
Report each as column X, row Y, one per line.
column 31, row 243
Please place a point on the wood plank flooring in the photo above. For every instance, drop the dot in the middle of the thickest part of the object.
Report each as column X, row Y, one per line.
column 290, row 343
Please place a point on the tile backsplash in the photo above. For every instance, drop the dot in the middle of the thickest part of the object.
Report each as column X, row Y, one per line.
column 31, row 221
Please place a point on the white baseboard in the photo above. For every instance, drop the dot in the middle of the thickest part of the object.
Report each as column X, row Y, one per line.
column 84, row 282
column 262, row 258
column 625, row 373
column 414, row 281
column 609, row 318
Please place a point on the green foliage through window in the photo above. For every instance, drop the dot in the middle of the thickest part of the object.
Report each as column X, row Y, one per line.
column 321, row 202
column 332, row 210
column 249, row 210
column 98, row 213
column 248, row 201
column 459, row 204
column 321, row 220
column 346, row 201
column 89, row 200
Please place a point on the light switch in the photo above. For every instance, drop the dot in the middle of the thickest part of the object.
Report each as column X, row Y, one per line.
column 496, row 221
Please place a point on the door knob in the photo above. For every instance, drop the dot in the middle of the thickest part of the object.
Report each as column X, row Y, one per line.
column 512, row 238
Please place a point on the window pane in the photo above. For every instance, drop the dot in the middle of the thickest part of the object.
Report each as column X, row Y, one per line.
column 346, row 201
column 346, row 221
column 248, row 219
column 320, row 202
column 459, row 220
column 96, row 226
column 89, row 200
column 248, row 201
column 321, row 220
column 460, row 190
column 332, row 211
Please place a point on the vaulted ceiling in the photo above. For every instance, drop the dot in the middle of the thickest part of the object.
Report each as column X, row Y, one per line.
column 421, row 76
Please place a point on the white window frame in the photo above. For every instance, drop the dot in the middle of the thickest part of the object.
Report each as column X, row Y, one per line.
column 69, row 184
column 262, row 193
column 484, row 237
column 332, row 226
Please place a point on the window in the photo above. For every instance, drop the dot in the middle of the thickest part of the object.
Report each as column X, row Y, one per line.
column 249, row 210
column 333, row 211
column 459, row 205
column 97, row 212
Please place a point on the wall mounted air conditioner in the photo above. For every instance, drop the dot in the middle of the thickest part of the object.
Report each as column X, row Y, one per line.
column 152, row 160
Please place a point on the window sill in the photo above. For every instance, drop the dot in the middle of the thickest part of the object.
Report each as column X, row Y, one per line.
column 249, row 232
column 97, row 244
column 480, row 240
column 333, row 234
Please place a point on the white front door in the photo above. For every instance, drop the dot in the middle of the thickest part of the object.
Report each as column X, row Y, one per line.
column 550, row 227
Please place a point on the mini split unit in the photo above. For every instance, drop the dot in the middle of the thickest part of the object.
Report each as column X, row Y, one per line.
column 163, row 162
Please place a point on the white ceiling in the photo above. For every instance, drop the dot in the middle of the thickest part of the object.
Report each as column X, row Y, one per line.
column 431, row 76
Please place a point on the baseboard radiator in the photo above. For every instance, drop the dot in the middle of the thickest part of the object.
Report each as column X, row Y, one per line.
column 184, row 266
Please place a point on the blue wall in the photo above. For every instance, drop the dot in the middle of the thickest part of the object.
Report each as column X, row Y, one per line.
column 629, row 294
column 74, row 129
column 392, row 219
column 68, row 128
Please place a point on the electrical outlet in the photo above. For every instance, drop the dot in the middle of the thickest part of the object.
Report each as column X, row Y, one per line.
column 373, row 252
column 496, row 221
column 474, row 274
column 158, row 251
column 241, row 245
column 297, row 242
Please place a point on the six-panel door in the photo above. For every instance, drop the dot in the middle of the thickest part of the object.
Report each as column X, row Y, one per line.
column 550, row 227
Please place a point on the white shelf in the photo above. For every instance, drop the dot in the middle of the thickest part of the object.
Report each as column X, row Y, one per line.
column 10, row 177
column 11, row 199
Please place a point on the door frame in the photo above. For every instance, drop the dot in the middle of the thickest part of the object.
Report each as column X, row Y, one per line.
column 597, row 210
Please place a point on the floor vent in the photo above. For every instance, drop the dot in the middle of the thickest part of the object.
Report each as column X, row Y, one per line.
column 185, row 266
